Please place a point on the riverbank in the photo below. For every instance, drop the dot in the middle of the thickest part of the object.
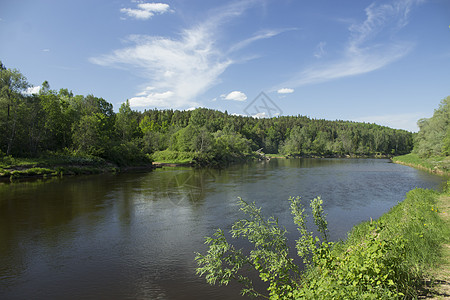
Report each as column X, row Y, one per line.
column 402, row 255
column 12, row 168
column 180, row 158
column 411, row 242
column 313, row 155
column 198, row 159
column 435, row 165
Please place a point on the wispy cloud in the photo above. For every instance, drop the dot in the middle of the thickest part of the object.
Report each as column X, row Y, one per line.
column 361, row 62
column 285, row 91
column 320, row 50
column 371, row 45
column 180, row 68
column 235, row 95
column 265, row 34
column 145, row 11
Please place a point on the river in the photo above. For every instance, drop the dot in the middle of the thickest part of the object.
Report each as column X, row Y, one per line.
column 134, row 235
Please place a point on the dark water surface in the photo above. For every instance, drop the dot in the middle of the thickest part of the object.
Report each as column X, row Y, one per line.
column 133, row 236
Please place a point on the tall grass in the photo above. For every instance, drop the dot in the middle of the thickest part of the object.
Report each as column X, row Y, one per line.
column 383, row 259
column 175, row 157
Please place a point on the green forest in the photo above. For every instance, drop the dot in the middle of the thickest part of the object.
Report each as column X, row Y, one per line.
column 60, row 123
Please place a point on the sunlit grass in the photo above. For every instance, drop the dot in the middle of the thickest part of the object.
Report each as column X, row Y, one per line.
column 52, row 165
column 434, row 164
column 174, row 157
column 415, row 232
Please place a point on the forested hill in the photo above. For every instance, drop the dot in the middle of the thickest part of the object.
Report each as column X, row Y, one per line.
column 58, row 122
column 295, row 135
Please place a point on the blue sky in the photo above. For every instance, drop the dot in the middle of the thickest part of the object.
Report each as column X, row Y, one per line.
column 386, row 62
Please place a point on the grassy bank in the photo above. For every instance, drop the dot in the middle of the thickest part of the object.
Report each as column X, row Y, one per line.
column 169, row 157
column 275, row 156
column 202, row 159
column 389, row 258
column 12, row 168
column 173, row 157
column 436, row 164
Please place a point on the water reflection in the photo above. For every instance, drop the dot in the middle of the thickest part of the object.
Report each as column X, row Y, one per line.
column 134, row 235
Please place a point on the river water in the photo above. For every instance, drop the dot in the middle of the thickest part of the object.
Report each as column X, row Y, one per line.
column 134, row 235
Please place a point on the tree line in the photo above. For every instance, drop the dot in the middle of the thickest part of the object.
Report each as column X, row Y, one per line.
column 60, row 122
column 433, row 138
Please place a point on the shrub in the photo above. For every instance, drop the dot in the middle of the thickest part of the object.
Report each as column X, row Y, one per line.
column 126, row 153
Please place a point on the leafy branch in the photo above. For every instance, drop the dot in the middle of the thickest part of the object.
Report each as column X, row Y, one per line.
column 270, row 254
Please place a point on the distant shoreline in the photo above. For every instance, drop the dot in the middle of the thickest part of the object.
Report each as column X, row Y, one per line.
column 43, row 169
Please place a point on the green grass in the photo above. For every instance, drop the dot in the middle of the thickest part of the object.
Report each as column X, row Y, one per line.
column 173, row 157
column 8, row 162
column 275, row 156
column 383, row 259
column 52, row 165
column 35, row 171
column 11, row 162
column 434, row 164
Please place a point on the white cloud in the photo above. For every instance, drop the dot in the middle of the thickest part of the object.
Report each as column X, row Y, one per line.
column 145, row 11
column 285, row 91
column 235, row 95
column 372, row 45
column 406, row 121
column 151, row 99
column 32, row 90
column 146, row 91
column 178, row 68
column 261, row 115
column 186, row 66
